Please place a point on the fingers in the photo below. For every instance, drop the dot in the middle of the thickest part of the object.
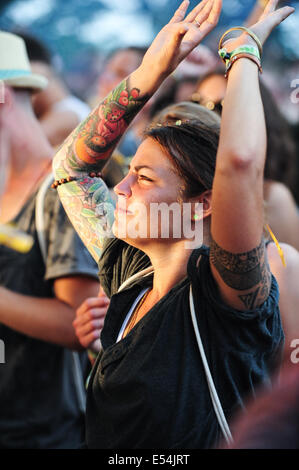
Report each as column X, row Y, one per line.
column 180, row 12
column 89, row 340
column 280, row 15
column 90, row 317
column 101, row 292
column 209, row 17
column 271, row 6
column 270, row 20
column 204, row 14
column 195, row 12
column 93, row 302
column 83, row 329
column 88, row 326
column 215, row 12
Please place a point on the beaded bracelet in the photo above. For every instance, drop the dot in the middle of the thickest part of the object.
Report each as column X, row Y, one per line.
column 68, row 179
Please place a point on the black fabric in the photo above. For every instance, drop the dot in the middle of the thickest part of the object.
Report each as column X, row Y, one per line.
column 149, row 390
column 272, row 421
column 38, row 403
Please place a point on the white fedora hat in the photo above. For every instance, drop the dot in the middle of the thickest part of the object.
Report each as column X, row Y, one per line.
column 15, row 67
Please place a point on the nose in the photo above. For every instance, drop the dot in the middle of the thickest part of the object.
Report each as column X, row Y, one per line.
column 123, row 188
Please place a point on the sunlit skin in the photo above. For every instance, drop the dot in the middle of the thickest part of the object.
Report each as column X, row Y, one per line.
column 151, row 179
column 240, row 160
column 230, row 202
column 213, row 88
column 119, row 66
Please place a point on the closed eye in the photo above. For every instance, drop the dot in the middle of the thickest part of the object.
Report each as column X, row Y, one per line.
column 144, row 178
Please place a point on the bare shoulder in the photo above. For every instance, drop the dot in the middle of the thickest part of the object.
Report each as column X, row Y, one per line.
column 278, row 193
column 291, row 256
column 282, row 212
column 287, row 278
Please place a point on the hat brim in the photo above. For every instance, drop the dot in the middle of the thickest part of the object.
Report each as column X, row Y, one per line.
column 34, row 81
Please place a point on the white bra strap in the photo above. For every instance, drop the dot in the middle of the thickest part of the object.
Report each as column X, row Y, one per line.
column 213, row 393
column 143, row 273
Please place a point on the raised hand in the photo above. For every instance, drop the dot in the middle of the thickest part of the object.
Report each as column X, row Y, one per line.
column 181, row 35
column 269, row 19
column 81, row 158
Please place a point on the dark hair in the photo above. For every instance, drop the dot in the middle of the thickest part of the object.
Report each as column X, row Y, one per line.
column 281, row 150
column 192, row 147
column 36, row 49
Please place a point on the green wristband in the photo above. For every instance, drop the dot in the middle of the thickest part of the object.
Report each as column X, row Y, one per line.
column 247, row 49
column 225, row 56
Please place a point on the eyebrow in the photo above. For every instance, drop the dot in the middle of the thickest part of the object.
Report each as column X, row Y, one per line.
column 139, row 167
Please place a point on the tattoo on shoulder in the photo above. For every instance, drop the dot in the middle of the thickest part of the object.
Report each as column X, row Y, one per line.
column 244, row 271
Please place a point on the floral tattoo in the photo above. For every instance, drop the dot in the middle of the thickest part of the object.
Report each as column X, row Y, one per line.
column 86, row 199
column 99, row 134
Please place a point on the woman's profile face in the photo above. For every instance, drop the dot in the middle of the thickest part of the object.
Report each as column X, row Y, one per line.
column 148, row 197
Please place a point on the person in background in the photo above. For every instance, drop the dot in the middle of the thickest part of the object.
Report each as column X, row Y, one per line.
column 271, row 420
column 148, row 387
column 57, row 109
column 40, row 407
column 199, row 63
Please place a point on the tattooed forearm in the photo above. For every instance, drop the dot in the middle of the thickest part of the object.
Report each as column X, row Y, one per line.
column 99, row 134
column 92, row 143
column 90, row 208
column 106, row 125
column 243, row 272
column 86, row 199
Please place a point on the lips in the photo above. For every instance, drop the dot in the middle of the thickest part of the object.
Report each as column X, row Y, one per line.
column 122, row 210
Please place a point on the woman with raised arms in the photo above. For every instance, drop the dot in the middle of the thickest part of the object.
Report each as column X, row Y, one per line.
column 148, row 387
